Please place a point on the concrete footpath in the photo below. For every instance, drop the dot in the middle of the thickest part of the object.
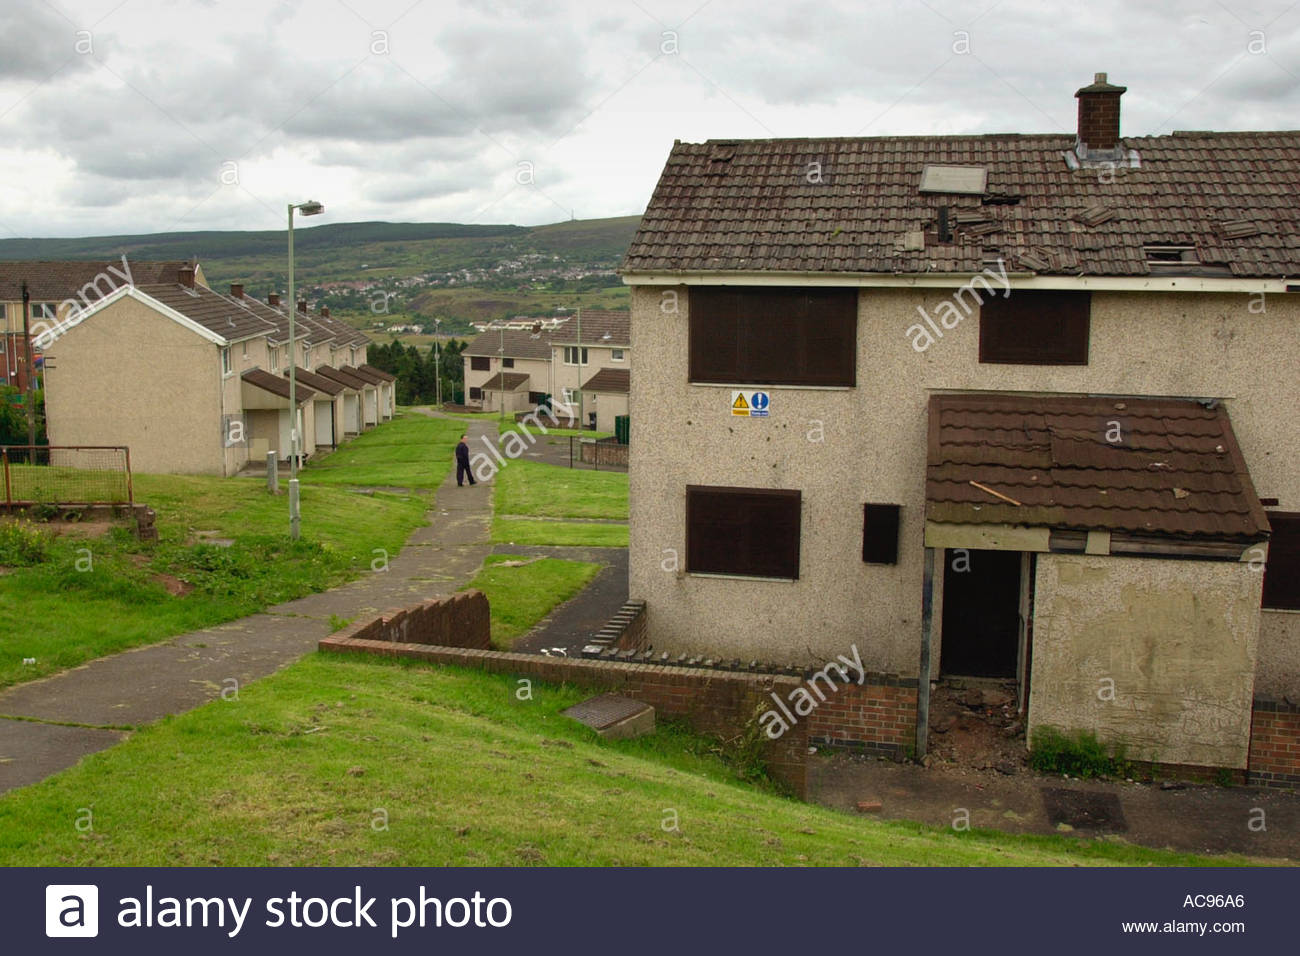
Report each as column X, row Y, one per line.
column 50, row 724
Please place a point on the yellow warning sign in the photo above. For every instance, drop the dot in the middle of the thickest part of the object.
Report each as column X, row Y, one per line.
column 738, row 404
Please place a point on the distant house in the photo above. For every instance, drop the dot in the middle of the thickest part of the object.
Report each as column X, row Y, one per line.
column 520, row 366
column 1019, row 408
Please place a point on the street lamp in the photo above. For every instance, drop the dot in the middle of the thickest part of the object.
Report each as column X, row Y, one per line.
column 437, row 362
column 308, row 208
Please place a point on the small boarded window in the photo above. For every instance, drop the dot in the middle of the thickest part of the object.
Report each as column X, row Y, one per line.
column 752, row 532
column 480, row 363
column 1282, row 574
column 761, row 336
column 475, row 394
column 1035, row 327
column 880, row 534
column 508, row 363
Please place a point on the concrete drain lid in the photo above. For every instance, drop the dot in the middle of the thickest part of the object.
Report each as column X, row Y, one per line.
column 613, row 716
column 1084, row 809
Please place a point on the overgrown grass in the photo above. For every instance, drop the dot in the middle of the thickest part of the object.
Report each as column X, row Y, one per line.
column 334, row 762
column 559, row 533
column 94, row 596
column 412, row 451
column 537, row 435
column 549, row 491
column 521, row 591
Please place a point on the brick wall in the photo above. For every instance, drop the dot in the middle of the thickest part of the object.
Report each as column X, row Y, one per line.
column 878, row 715
column 719, row 703
column 1274, row 744
column 462, row 620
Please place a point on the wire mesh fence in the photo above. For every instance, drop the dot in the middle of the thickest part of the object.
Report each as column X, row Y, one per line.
column 65, row 475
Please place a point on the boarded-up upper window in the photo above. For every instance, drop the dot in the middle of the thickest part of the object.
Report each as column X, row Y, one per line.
column 880, row 534
column 1035, row 327
column 1282, row 574
column 480, row 363
column 761, row 336
column 747, row 531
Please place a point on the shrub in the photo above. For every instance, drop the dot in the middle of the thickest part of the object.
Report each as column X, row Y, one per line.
column 1079, row 754
column 22, row 544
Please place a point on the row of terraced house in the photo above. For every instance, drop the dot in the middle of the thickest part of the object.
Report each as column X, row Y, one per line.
column 192, row 380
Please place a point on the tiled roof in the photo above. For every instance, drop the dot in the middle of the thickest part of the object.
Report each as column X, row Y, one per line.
column 1176, row 470
column 518, row 343
column 370, row 378
column 749, row 206
column 51, row 281
column 275, row 384
column 218, row 313
column 512, row 381
column 346, row 379
column 316, row 382
column 596, row 324
column 609, row 380
column 378, row 373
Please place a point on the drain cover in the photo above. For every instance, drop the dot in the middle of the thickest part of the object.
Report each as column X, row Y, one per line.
column 613, row 716
column 1084, row 809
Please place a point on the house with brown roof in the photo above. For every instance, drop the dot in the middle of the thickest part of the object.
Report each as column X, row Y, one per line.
column 1018, row 409
column 595, row 342
column 511, row 366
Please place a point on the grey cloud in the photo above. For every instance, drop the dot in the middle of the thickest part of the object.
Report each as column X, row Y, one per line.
column 35, row 42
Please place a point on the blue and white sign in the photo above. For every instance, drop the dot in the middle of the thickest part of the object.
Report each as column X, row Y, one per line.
column 750, row 404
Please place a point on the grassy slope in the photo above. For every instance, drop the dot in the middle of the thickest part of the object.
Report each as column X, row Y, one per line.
column 63, row 616
column 562, row 533
column 338, row 761
column 546, row 491
column 520, row 595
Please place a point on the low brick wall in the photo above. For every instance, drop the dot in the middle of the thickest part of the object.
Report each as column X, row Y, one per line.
column 462, row 620
column 1274, row 744
column 878, row 716
column 719, row 703
column 605, row 452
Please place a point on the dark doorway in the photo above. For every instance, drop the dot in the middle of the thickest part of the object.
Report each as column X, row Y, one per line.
column 981, row 613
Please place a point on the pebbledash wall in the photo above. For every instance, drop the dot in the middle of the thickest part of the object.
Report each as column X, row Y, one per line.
column 846, row 447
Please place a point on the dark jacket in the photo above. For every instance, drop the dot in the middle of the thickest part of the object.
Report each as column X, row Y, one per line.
column 462, row 453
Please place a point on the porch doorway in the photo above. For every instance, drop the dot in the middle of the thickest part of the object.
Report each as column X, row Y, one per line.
column 982, row 614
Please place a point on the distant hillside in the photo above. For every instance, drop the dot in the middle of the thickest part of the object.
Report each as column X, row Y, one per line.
column 373, row 271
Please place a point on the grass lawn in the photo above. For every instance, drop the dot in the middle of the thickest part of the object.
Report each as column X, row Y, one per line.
column 562, row 533
column 351, row 761
column 549, row 491
column 551, row 433
column 98, row 595
column 520, row 595
column 412, row 451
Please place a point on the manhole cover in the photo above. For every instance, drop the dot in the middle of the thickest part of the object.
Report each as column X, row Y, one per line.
column 1084, row 809
column 613, row 716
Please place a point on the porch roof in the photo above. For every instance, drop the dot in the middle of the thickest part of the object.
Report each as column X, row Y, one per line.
column 507, row 381
column 275, row 385
column 1133, row 465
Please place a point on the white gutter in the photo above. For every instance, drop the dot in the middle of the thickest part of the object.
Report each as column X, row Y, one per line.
column 1020, row 280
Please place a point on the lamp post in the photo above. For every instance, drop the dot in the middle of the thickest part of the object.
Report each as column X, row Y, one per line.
column 308, row 208
column 437, row 362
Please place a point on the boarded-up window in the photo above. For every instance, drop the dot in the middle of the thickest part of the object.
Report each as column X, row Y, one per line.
column 536, row 398
column 480, row 363
column 508, row 363
column 761, row 336
column 475, row 394
column 1035, row 327
column 1282, row 574
column 752, row 532
column 880, row 534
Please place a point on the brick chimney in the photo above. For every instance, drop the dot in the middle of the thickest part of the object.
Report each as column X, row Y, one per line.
column 185, row 276
column 1099, row 115
column 236, row 290
column 302, row 305
column 273, row 299
column 325, row 311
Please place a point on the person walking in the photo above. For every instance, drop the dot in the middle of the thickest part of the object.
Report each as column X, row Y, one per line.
column 462, row 464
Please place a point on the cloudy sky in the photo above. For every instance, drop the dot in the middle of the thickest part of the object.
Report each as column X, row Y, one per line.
column 125, row 116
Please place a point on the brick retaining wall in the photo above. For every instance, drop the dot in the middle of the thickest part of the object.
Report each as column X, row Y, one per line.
column 878, row 715
column 719, row 703
column 1274, row 744
column 605, row 452
column 462, row 620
